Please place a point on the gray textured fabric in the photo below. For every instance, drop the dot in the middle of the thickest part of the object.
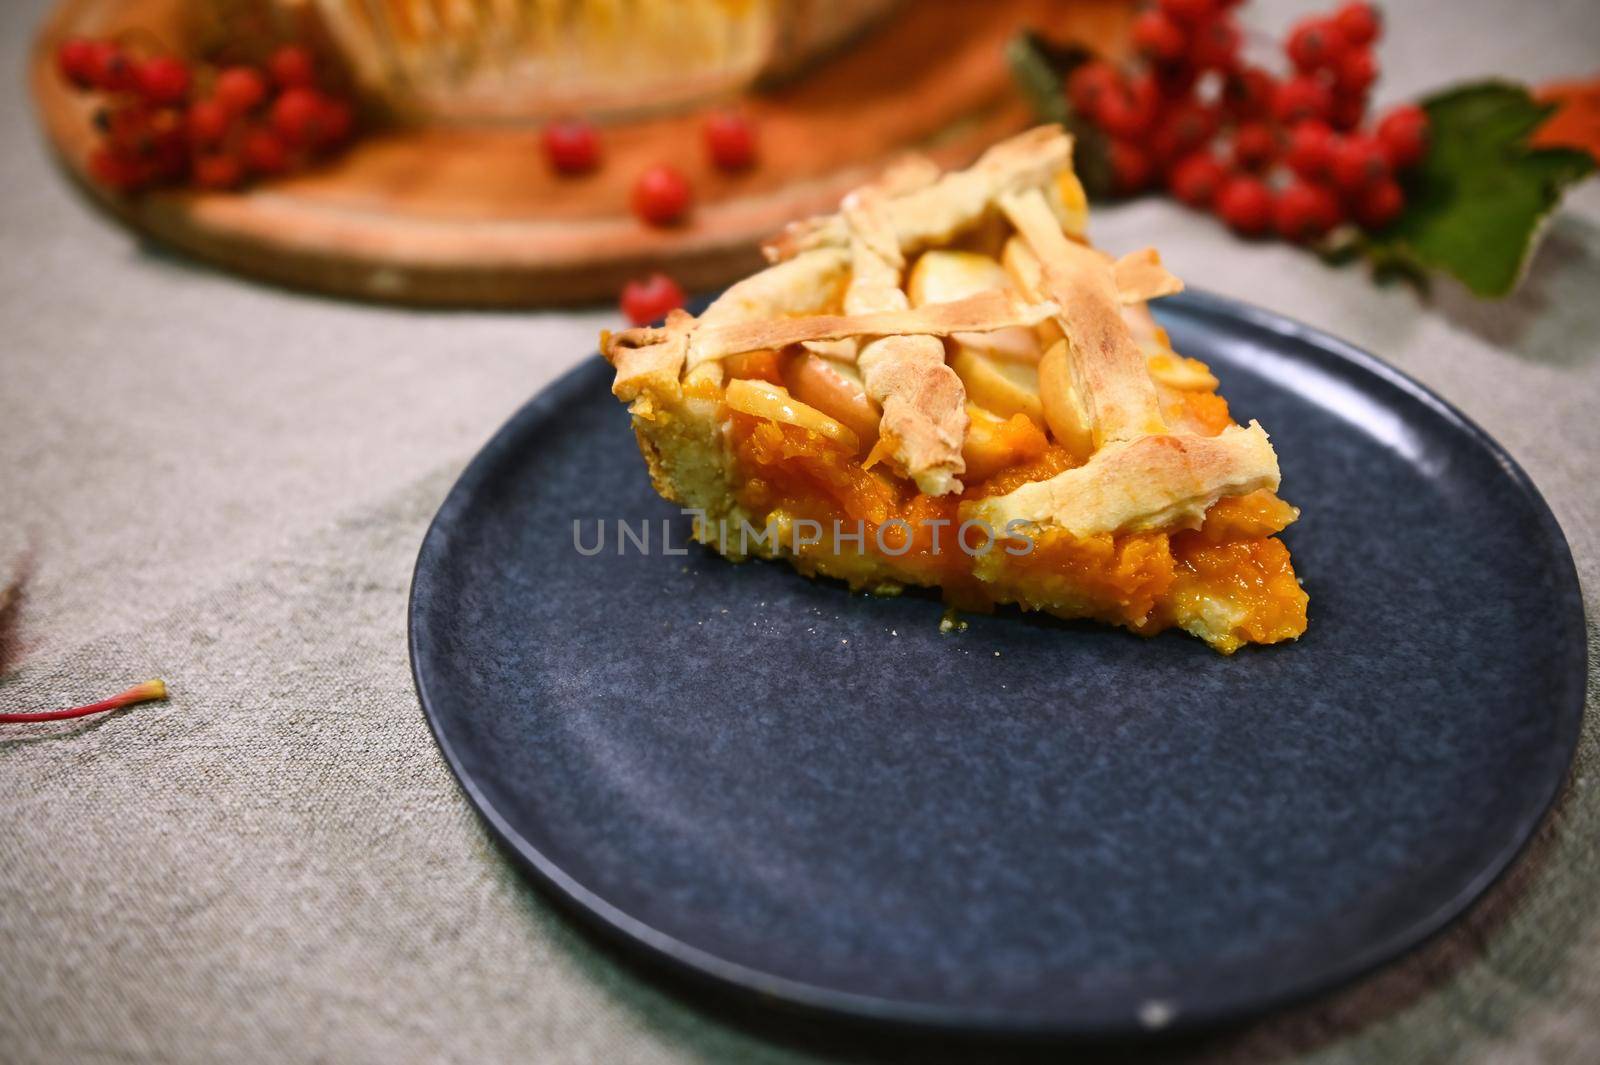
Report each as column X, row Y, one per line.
column 225, row 485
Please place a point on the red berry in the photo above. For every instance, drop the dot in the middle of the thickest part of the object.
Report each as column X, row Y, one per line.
column 1131, row 169
column 297, row 116
column 1248, row 93
column 571, row 145
column 116, row 170
column 292, row 67
column 1173, row 81
column 240, row 89
column 1159, row 36
column 1255, row 145
column 1347, row 112
column 110, row 70
column 1310, row 151
column 1088, row 82
column 1186, row 126
column 1355, row 71
column 167, row 145
column 1403, row 133
column 731, row 140
column 1151, row 91
column 217, row 171
column 75, row 59
column 1127, row 110
column 649, row 300
column 208, row 122
column 163, row 79
column 661, row 195
column 1359, row 23
column 1190, row 11
column 1195, row 179
column 127, row 127
column 1301, row 98
column 1315, row 44
column 1215, row 45
column 264, row 152
column 335, row 119
column 1304, row 211
column 1245, row 204
column 1359, row 162
column 1380, row 204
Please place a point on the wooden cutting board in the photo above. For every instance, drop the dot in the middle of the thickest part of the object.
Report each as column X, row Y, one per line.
column 474, row 216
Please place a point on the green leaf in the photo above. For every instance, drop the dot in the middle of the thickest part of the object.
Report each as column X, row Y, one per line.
column 1041, row 70
column 1477, row 202
column 1037, row 79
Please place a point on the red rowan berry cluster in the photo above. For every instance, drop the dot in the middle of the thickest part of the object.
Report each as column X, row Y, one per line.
column 166, row 121
column 1290, row 153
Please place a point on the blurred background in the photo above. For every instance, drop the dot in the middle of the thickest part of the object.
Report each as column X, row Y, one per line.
column 245, row 351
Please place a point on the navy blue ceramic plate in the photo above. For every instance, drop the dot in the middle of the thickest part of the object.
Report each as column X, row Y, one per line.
column 1029, row 827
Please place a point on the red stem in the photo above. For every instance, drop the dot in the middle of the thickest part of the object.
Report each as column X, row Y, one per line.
column 143, row 693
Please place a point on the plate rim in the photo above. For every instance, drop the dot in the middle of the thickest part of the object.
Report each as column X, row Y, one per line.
column 751, row 984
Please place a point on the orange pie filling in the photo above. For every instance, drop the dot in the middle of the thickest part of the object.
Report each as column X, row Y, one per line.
column 1230, row 581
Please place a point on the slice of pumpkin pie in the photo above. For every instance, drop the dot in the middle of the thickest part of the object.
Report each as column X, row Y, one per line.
column 944, row 384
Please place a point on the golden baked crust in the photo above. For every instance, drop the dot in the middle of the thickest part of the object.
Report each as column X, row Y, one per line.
column 1163, row 481
column 948, row 350
column 934, row 214
column 1107, row 367
column 656, row 356
column 1140, row 277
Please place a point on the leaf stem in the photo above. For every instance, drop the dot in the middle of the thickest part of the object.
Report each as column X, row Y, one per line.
column 149, row 691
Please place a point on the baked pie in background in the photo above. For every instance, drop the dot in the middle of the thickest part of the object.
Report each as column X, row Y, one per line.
column 947, row 357
column 530, row 60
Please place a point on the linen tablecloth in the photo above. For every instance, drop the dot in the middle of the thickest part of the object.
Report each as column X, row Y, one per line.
column 225, row 485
